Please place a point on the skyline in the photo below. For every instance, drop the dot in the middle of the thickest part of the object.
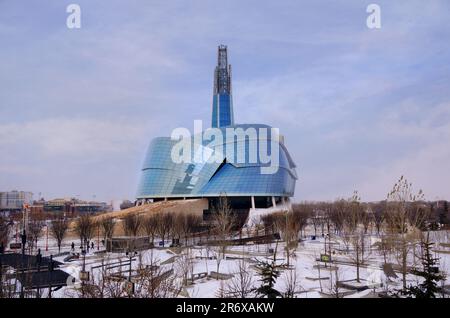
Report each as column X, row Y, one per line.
column 358, row 107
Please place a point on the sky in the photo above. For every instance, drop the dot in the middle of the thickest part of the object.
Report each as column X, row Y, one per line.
column 358, row 107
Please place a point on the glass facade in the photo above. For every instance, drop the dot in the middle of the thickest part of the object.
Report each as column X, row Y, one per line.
column 222, row 112
column 15, row 199
column 222, row 108
column 236, row 173
column 240, row 161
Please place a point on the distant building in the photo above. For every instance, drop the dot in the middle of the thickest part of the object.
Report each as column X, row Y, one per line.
column 69, row 206
column 126, row 204
column 13, row 201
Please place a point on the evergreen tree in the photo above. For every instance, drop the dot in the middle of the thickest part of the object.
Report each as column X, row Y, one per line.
column 269, row 273
column 430, row 273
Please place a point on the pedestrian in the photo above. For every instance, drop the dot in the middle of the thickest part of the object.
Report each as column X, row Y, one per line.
column 39, row 257
column 73, row 246
column 92, row 245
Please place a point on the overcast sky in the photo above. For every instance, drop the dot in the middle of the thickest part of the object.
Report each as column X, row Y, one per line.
column 358, row 107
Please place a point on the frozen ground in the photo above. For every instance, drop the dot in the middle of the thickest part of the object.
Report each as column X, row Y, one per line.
column 304, row 270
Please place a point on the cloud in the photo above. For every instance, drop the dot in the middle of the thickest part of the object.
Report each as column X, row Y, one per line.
column 72, row 138
column 358, row 107
column 427, row 163
column 68, row 156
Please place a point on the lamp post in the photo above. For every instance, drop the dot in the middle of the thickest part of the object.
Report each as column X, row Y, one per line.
column 83, row 272
column 98, row 237
column 50, row 270
column 24, row 241
column 46, row 240
column 130, row 284
column 38, row 261
column 83, row 252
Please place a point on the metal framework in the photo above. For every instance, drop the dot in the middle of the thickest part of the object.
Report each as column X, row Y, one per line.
column 222, row 73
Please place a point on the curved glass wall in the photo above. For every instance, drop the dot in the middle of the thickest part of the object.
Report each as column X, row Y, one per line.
column 236, row 173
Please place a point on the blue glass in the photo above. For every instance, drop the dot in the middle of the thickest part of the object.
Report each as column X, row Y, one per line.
column 161, row 177
column 222, row 114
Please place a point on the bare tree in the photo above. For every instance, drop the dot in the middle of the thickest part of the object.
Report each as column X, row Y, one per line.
column 241, row 285
column 361, row 251
column 335, row 289
column 193, row 222
column 185, row 266
column 385, row 247
column 131, row 224
column 84, row 227
column 156, row 281
column 150, row 227
column 366, row 218
column 269, row 223
column 316, row 221
column 165, row 222
column 378, row 211
column 107, row 224
column 284, row 223
column 58, row 229
column 338, row 211
column 300, row 216
column 151, row 281
column 223, row 223
column 187, row 225
column 34, row 233
column 355, row 234
column 291, row 283
column 405, row 217
column 178, row 227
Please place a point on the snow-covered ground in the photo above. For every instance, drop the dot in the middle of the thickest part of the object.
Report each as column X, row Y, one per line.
column 304, row 267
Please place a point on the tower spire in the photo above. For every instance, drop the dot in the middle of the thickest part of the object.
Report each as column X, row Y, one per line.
column 222, row 112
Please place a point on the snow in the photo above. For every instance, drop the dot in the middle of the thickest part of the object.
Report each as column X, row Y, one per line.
column 303, row 260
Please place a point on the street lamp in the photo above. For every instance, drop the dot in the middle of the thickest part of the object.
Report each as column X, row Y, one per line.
column 130, row 287
column 38, row 261
column 50, row 270
column 23, row 237
column 84, row 276
column 46, row 240
column 98, row 237
column 24, row 241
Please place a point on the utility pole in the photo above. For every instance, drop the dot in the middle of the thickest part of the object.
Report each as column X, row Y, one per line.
column 24, row 241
